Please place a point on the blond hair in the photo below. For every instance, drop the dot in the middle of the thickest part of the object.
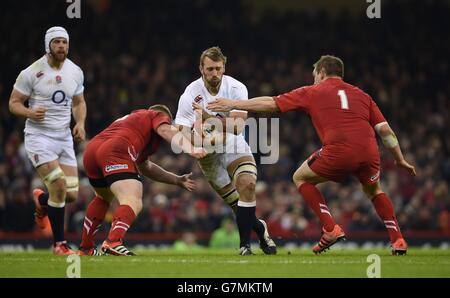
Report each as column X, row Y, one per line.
column 162, row 108
column 213, row 53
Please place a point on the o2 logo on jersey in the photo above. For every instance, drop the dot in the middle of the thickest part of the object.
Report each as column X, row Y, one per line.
column 59, row 96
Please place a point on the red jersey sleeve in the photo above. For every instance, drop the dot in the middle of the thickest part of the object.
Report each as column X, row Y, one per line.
column 297, row 99
column 375, row 114
column 150, row 149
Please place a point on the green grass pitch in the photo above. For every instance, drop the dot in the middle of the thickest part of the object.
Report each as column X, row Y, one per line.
column 226, row 263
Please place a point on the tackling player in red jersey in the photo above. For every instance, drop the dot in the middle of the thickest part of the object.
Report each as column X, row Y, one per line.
column 346, row 119
column 113, row 161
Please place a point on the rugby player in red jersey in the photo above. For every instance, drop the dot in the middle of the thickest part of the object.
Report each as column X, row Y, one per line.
column 346, row 119
column 114, row 160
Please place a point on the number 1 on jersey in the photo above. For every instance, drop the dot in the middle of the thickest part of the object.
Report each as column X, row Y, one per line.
column 344, row 100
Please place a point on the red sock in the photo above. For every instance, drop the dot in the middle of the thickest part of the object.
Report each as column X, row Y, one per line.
column 95, row 213
column 385, row 211
column 316, row 202
column 122, row 220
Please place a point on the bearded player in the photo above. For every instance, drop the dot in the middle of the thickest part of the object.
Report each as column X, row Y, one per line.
column 346, row 120
column 53, row 87
column 232, row 173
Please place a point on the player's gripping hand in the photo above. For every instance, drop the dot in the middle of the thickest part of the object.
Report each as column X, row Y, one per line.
column 38, row 114
column 200, row 112
column 78, row 132
column 405, row 165
column 185, row 181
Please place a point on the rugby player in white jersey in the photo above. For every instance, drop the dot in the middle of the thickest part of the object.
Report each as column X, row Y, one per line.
column 53, row 87
column 231, row 174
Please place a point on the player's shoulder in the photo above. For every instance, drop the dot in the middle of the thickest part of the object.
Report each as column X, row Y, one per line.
column 233, row 83
column 35, row 67
column 308, row 89
column 357, row 90
column 194, row 86
column 73, row 66
column 29, row 75
column 192, row 90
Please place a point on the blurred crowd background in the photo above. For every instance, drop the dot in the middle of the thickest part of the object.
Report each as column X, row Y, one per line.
column 137, row 53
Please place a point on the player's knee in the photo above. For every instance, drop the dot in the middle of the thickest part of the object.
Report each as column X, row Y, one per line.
column 245, row 184
column 297, row 179
column 57, row 191
column 137, row 206
column 245, row 176
column 54, row 178
column 372, row 190
column 72, row 186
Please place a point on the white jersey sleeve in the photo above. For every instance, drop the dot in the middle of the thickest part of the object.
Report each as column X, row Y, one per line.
column 24, row 83
column 80, row 87
column 185, row 114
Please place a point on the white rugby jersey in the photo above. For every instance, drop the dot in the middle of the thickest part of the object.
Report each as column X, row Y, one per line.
column 52, row 89
column 196, row 91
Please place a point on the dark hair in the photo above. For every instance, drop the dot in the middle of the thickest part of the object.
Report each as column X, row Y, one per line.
column 161, row 108
column 332, row 65
column 213, row 53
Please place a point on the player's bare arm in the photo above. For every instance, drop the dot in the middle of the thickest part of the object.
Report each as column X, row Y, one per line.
column 257, row 104
column 157, row 173
column 168, row 132
column 235, row 123
column 390, row 141
column 79, row 114
column 18, row 108
column 187, row 132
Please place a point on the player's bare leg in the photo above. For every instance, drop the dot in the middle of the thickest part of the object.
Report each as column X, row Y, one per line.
column 242, row 165
column 71, row 174
column 385, row 210
column 246, row 165
column 129, row 194
column 246, row 207
column 230, row 195
column 54, row 178
column 41, row 197
column 95, row 214
column 305, row 180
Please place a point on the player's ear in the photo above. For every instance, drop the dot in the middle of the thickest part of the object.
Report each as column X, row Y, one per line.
column 200, row 68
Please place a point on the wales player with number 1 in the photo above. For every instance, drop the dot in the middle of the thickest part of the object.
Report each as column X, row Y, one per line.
column 346, row 119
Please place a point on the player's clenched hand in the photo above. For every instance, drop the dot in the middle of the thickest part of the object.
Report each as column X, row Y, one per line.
column 38, row 114
column 196, row 106
column 221, row 105
column 405, row 165
column 79, row 134
column 186, row 182
column 199, row 111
